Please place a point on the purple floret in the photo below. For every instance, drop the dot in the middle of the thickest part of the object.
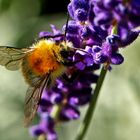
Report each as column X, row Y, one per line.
column 94, row 45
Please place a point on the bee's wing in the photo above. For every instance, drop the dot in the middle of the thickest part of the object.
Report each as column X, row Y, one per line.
column 11, row 57
column 32, row 99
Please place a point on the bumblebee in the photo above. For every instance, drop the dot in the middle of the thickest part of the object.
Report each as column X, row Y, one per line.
column 40, row 64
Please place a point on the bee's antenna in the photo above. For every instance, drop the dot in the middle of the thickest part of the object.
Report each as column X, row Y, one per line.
column 66, row 29
column 58, row 35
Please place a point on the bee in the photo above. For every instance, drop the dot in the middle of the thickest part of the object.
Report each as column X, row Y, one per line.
column 40, row 65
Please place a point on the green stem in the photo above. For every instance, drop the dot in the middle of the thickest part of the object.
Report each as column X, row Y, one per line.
column 85, row 124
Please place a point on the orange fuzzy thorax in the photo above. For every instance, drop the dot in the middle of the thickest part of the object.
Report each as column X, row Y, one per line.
column 43, row 59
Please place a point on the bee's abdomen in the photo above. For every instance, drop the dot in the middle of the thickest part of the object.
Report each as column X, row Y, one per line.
column 30, row 77
column 42, row 64
column 42, row 61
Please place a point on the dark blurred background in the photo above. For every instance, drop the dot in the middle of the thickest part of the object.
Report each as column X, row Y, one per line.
column 117, row 116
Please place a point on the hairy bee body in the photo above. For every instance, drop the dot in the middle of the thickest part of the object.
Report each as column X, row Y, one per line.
column 43, row 59
column 40, row 64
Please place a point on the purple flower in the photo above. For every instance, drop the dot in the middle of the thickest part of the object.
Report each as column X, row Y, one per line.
column 83, row 59
column 69, row 112
column 102, row 14
column 89, row 30
column 45, row 127
column 117, row 59
column 110, row 50
column 129, row 38
column 81, row 15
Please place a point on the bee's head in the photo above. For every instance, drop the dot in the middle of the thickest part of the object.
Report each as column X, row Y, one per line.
column 66, row 52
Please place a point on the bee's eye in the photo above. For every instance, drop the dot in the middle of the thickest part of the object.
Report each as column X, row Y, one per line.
column 64, row 53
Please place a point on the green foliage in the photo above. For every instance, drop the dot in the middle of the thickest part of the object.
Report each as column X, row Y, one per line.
column 5, row 5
